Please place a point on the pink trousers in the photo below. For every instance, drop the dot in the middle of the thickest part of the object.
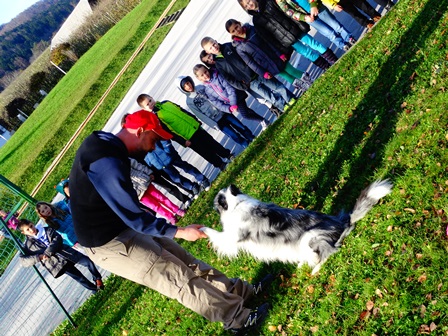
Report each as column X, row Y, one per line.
column 158, row 202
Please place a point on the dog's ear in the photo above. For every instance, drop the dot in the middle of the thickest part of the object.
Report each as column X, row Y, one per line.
column 222, row 202
column 234, row 190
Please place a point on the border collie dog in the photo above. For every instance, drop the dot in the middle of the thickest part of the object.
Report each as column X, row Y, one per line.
column 269, row 232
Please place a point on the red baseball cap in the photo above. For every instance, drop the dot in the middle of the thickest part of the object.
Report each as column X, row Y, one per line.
column 148, row 121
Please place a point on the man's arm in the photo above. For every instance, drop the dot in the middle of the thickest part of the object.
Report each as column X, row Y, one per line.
column 110, row 177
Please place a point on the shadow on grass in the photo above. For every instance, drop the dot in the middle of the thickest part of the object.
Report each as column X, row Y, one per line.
column 383, row 101
column 102, row 302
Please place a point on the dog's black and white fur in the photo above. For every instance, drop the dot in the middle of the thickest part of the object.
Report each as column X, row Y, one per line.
column 271, row 233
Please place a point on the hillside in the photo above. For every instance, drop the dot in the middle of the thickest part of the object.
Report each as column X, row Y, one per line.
column 21, row 37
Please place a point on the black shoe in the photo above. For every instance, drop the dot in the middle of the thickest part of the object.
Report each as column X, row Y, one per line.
column 254, row 320
column 277, row 112
column 196, row 189
column 322, row 63
column 261, row 286
column 205, row 184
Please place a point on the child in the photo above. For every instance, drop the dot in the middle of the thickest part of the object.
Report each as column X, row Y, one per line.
column 241, row 77
column 207, row 59
column 222, row 94
column 44, row 245
column 355, row 8
column 12, row 221
column 276, row 28
column 319, row 17
column 149, row 196
column 186, row 129
column 165, row 158
column 58, row 217
column 199, row 104
column 62, row 188
column 263, row 58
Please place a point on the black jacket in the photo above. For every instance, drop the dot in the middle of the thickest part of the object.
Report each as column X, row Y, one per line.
column 58, row 254
column 275, row 27
column 232, row 68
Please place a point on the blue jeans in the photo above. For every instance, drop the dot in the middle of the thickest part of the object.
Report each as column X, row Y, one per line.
column 76, row 274
column 331, row 28
column 272, row 90
column 176, row 177
column 235, row 129
column 309, row 47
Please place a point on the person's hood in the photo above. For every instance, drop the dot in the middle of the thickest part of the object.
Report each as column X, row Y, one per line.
column 181, row 79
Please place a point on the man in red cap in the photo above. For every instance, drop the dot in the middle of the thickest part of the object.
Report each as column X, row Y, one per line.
column 123, row 239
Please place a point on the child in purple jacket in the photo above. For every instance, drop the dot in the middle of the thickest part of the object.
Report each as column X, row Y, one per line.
column 224, row 96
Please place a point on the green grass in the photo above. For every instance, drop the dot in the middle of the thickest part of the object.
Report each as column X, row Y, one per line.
column 42, row 136
column 380, row 112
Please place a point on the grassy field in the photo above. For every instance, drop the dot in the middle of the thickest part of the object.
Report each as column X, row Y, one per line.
column 380, row 112
column 26, row 156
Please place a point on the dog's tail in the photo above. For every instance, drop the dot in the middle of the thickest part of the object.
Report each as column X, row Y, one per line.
column 368, row 198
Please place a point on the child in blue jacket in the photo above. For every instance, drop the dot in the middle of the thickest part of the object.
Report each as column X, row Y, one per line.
column 164, row 157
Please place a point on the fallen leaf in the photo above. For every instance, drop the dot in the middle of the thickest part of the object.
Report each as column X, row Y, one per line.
column 364, row 314
column 272, row 328
column 375, row 311
column 419, row 255
column 369, row 305
column 388, row 253
column 314, row 329
column 422, row 278
column 422, row 311
column 403, row 104
column 424, row 329
column 379, row 293
column 390, row 228
column 124, row 332
column 279, row 327
column 432, row 326
column 409, row 210
column 310, row 289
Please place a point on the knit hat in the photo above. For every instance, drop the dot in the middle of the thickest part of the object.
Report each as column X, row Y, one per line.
column 148, row 121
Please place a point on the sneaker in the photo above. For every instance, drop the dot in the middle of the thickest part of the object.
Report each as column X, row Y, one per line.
column 300, row 84
column 307, row 78
column 276, row 111
column 263, row 125
column 223, row 166
column 346, row 47
column 99, row 284
column 254, row 320
column 352, row 40
column 261, row 286
column 195, row 189
column 187, row 204
column 180, row 212
column 206, row 184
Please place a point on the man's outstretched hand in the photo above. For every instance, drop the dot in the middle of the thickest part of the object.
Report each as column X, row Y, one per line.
column 190, row 232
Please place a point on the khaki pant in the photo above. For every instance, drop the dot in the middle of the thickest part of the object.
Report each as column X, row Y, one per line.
column 163, row 265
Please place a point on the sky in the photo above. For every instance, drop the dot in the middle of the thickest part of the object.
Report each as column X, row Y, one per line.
column 10, row 9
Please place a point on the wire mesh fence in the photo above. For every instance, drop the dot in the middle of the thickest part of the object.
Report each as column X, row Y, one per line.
column 32, row 302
